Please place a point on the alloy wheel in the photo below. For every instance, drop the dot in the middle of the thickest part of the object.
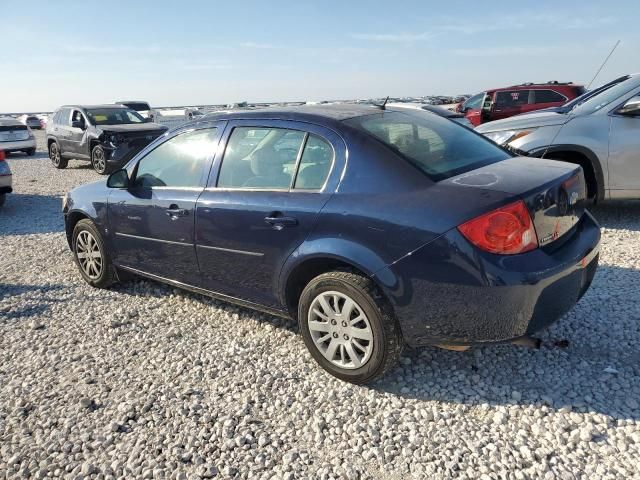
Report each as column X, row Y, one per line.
column 89, row 255
column 54, row 154
column 340, row 330
column 98, row 160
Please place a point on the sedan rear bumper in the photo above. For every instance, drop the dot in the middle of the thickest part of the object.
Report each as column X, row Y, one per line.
column 18, row 145
column 449, row 292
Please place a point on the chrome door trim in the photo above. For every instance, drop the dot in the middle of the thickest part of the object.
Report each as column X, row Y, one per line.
column 137, row 237
column 231, row 250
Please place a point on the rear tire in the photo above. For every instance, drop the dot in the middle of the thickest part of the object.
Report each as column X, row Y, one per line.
column 99, row 160
column 91, row 256
column 30, row 152
column 56, row 157
column 349, row 327
column 3, row 198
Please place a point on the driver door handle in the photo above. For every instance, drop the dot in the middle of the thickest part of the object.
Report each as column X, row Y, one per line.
column 174, row 212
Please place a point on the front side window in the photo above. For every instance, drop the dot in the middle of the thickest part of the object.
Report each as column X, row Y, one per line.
column 474, row 102
column 178, row 162
column 513, row 98
column 547, row 96
column 113, row 116
column 260, row 158
column 438, row 147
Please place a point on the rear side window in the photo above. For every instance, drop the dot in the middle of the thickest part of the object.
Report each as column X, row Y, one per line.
column 512, row 98
column 315, row 164
column 178, row 162
column 62, row 118
column 438, row 147
column 260, row 158
column 547, row 96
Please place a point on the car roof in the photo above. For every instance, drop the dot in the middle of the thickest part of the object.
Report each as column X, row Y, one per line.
column 530, row 85
column 86, row 107
column 332, row 112
column 426, row 107
column 8, row 121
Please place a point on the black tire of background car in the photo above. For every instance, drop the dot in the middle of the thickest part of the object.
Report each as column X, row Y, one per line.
column 3, row 197
column 98, row 150
column 54, row 149
column 31, row 152
column 388, row 342
column 108, row 275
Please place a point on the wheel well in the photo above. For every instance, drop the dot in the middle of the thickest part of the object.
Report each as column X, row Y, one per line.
column 50, row 141
column 92, row 143
column 587, row 167
column 307, row 271
column 72, row 219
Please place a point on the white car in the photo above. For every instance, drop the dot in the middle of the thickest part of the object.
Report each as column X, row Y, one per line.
column 16, row 136
column 5, row 178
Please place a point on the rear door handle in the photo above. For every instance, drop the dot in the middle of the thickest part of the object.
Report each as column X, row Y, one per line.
column 174, row 212
column 277, row 221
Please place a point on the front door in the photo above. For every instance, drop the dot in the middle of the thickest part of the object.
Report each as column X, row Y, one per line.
column 624, row 156
column 152, row 221
column 472, row 109
column 261, row 203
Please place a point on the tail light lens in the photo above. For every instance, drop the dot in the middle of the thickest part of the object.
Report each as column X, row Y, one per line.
column 506, row 231
column 2, row 156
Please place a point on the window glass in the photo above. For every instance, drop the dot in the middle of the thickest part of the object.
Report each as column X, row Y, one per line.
column 474, row 102
column 512, row 98
column 608, row 96
column 64, row 116
column 113, row 116
column 178, row 162
column 437, row 146
column 315, row 164
column 260, row 158
column 547, row 96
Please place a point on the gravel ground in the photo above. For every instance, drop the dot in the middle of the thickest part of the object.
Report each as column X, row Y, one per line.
column 144, row 381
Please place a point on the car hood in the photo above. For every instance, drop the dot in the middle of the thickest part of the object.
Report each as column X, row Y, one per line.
column 539, row 119
column 132, row 127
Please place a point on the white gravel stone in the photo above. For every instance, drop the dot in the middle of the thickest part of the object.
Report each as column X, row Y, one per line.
column 146, row 381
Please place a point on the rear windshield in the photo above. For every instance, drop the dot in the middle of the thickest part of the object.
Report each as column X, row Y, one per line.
column 438, row 147
column 113, row 116
column 138, row 107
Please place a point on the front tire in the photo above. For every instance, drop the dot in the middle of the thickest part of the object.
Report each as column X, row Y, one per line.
column 349, row 327
column 56, row 157
column 99, row 160
column 91, row 256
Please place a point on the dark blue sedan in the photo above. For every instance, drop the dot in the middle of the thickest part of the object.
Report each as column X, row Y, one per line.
column 373, row 227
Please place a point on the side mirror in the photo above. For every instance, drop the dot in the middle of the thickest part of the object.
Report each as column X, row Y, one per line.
column 118, row 179
column 77, row 124
column 631, row 108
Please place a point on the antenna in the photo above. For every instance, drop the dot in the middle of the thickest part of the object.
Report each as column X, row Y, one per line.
column 384, row 104
column 603, row 63
column 594, row 77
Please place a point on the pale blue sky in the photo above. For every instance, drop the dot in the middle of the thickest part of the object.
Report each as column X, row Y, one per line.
column 204, row 52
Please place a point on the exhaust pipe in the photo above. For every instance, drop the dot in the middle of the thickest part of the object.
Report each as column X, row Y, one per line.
column 527, row 341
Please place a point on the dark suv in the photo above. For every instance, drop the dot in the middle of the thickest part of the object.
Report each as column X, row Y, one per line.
column 106, row 135
column 506, row 102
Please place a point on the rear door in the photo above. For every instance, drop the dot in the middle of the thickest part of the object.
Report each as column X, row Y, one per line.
column 508, row 103
column 261, row 202
column 544, row 98
column 152, row 221
column 76, row 136
column 62, row 131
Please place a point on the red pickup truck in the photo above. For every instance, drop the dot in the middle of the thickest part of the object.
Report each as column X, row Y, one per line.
column 506, row 102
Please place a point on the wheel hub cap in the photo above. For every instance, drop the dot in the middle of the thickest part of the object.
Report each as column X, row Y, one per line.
column 340, row 330
column 89, row 256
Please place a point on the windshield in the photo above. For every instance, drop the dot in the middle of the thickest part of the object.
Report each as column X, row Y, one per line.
column 438, row 147
column 606, row 96
column 113, row 116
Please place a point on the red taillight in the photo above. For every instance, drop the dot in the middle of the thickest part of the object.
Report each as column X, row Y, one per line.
column 507, row 230
column 2, row 156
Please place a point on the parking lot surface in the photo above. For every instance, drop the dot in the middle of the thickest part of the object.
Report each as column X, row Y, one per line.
column 144, row 381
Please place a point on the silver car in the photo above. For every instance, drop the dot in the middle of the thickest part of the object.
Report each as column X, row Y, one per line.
column 5, row 178
column 601, row 133
column 16, row 137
